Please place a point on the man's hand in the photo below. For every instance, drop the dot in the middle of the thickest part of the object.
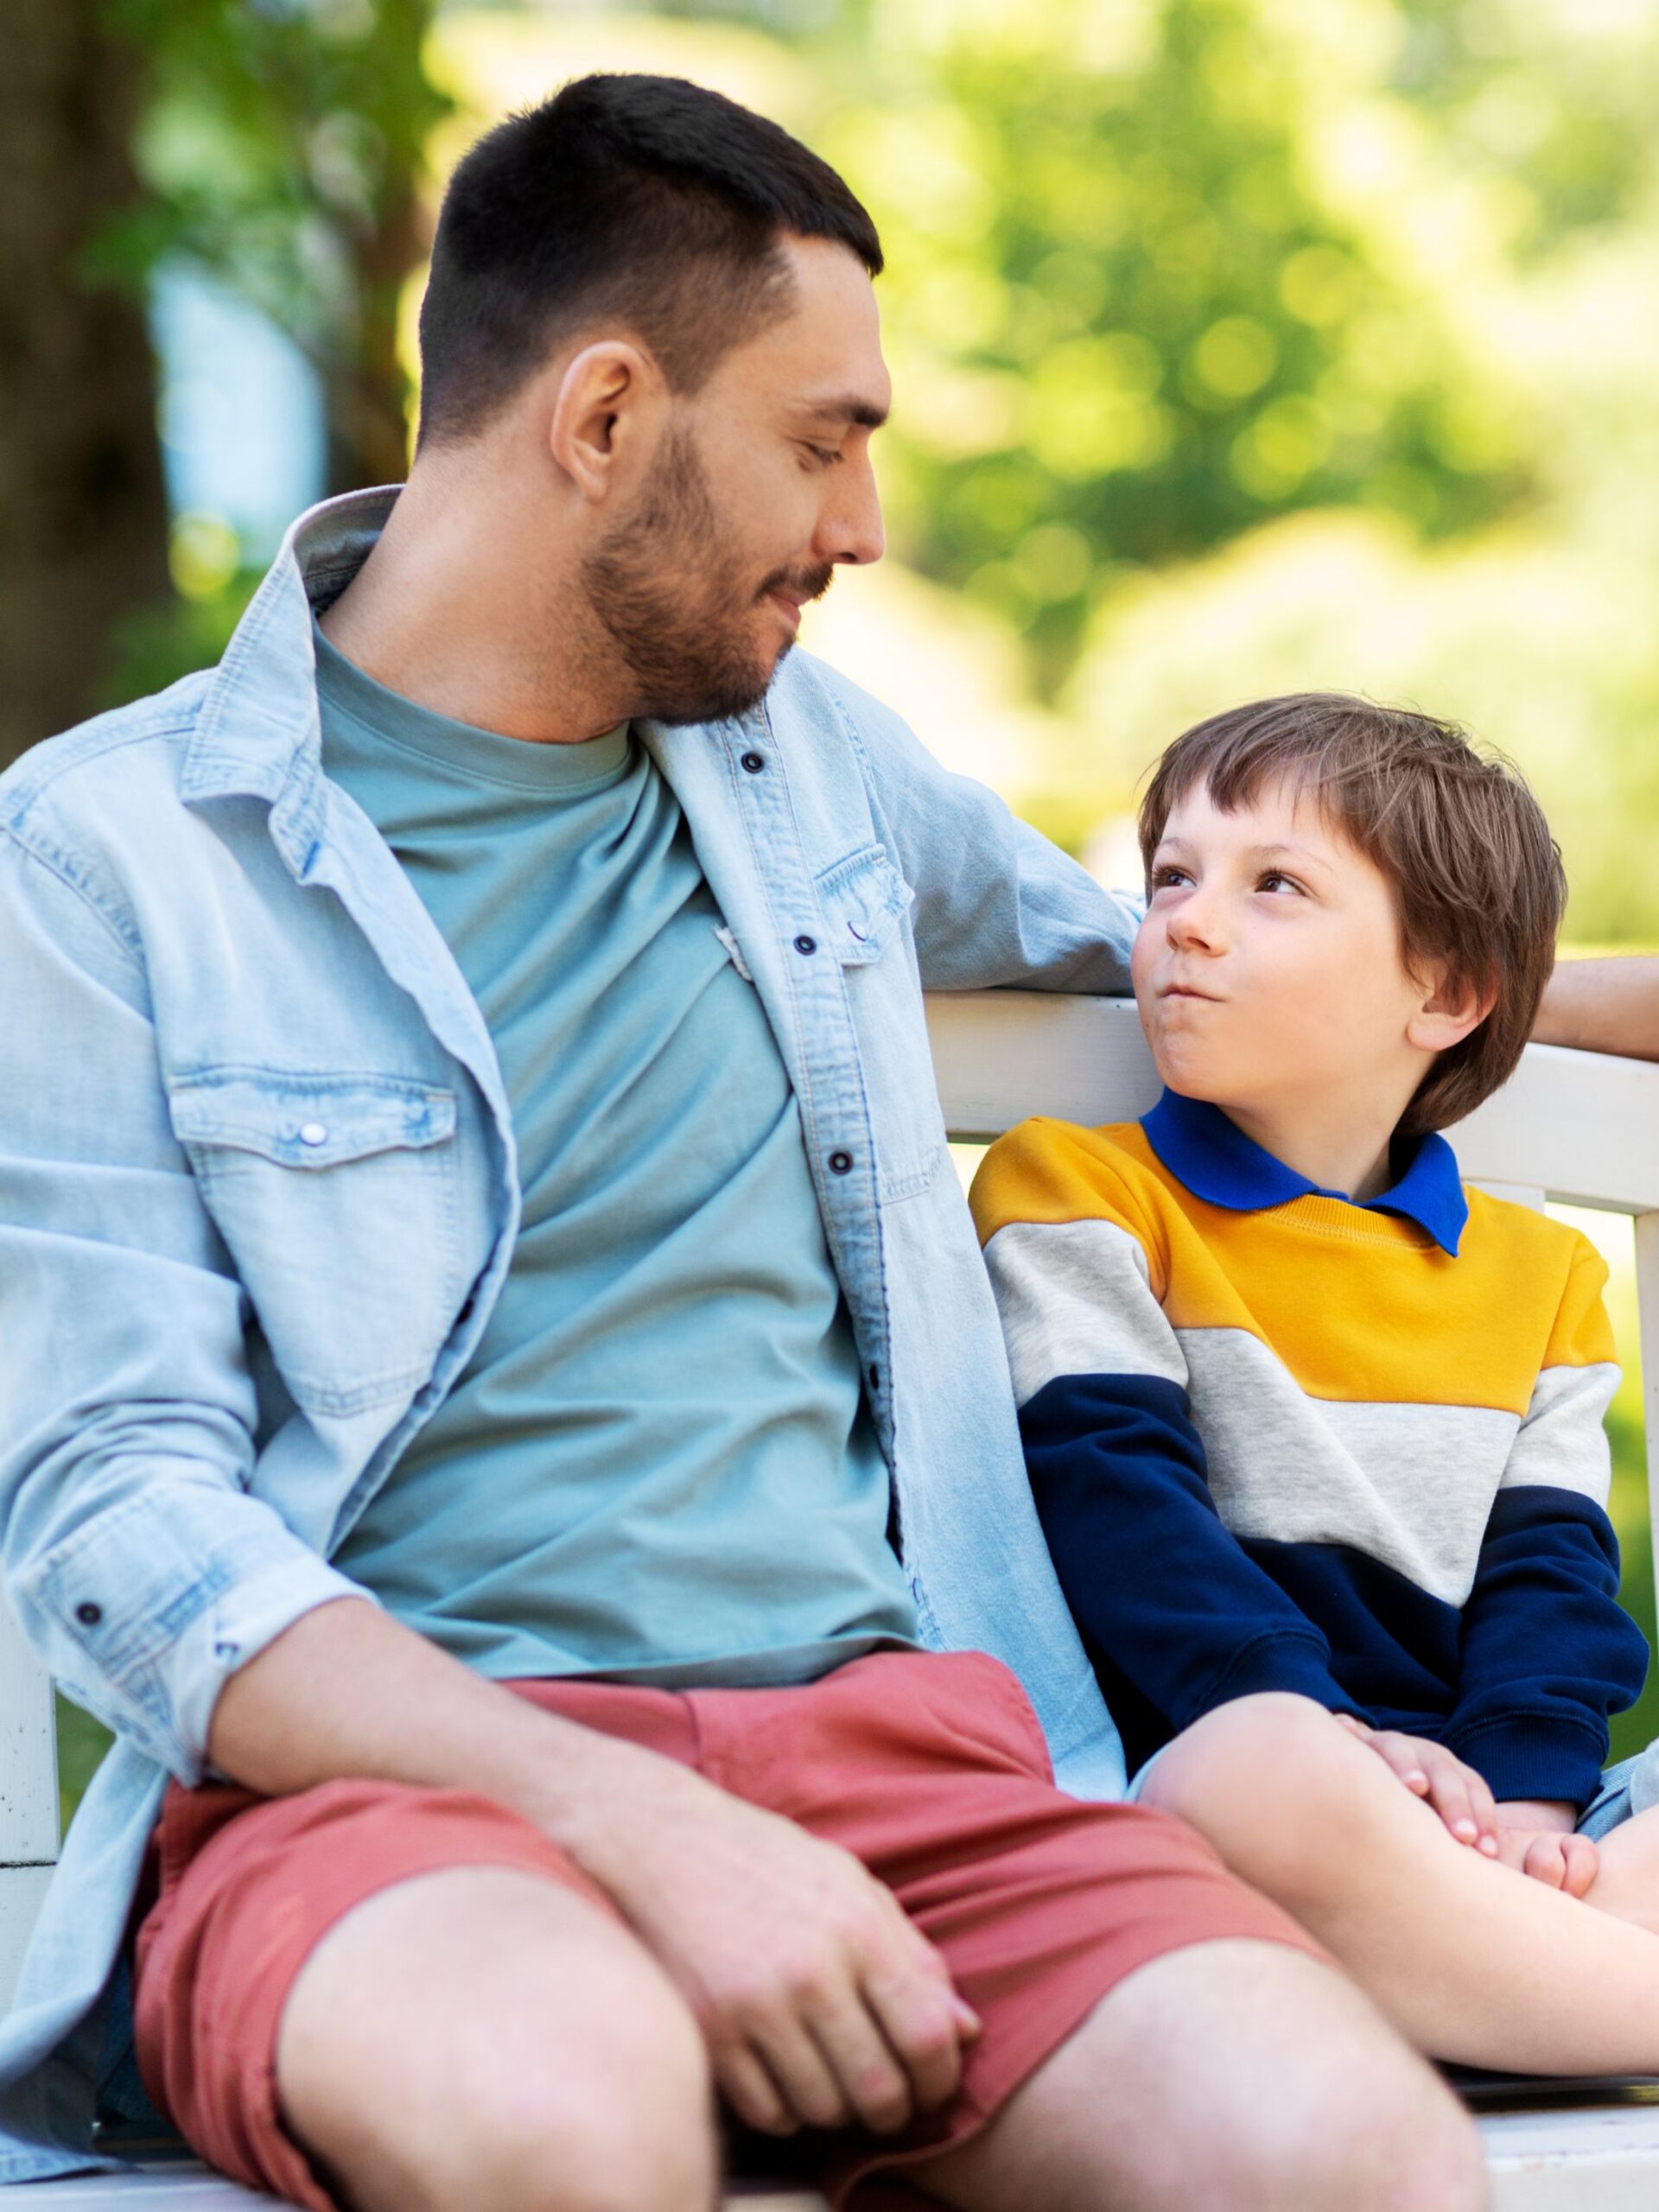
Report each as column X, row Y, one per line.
column 1535, row 1836
column 1457, row 1793
column 821, row 2004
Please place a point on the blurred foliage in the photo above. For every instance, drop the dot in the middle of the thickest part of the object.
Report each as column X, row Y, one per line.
column 1135, row 317
column 282, row 149
column 82, row 1742
column 1633, row 1730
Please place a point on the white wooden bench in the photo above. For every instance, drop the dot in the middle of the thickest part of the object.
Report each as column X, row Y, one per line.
column 1573, row 1127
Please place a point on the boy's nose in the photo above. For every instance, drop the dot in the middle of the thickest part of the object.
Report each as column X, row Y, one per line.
column 1195, row 924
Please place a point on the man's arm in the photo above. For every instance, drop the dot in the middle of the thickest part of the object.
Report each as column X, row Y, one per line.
column 1603, row 1005
column 996, row 903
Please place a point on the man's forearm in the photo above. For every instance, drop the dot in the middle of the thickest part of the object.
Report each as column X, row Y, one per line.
column 1603, row 1005
column 348, row 1691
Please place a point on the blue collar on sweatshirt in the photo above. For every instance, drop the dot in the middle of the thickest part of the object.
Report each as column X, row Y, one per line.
column 1220, row 1165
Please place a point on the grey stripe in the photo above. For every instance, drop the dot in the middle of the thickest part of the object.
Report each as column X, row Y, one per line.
column 1075, row 1299
column 1410, row 1485
column 1562, row 1442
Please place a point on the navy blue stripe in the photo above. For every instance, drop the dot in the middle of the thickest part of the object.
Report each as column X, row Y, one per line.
column 1177, row 1618
column 1178, row 1615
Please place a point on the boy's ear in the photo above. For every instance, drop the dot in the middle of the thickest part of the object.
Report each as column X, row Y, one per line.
column 1448, row 1013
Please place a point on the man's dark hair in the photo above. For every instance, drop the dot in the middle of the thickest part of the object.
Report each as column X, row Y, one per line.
column 1476, row 876
column 644, row 202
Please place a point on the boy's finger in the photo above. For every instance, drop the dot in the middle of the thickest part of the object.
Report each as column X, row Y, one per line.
column 1545, row 1862
column 1583, row 1863
column 1448, row 1790
column 1483, row 1806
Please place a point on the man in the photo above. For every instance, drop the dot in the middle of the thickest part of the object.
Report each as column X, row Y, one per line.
column 477, row 1213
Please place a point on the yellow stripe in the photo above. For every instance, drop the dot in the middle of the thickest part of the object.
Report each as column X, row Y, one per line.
column 1358, row 1305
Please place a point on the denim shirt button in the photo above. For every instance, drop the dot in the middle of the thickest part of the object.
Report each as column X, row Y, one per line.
column 88, row 1614
column 805, row 944
column 840, row 1163
column 313, row 1133
column 754, row 762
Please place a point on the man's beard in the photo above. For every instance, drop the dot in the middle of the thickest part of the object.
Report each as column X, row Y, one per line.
column 661, row 586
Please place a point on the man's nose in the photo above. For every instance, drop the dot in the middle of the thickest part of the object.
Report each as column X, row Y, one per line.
column 851, row 532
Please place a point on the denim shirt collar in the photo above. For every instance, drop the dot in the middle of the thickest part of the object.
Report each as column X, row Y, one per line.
column 258, row 732
column 1219, row 1164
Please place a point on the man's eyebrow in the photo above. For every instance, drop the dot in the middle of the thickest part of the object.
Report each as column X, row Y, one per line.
column 846, row 408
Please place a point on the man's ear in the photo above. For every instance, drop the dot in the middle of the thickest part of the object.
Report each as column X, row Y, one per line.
column 603, row 415
column 1448, row 1012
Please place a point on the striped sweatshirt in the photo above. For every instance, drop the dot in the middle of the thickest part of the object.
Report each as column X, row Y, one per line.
column 1281, row 1441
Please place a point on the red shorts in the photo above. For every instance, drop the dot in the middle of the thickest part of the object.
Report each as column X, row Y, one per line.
column 930, row 1768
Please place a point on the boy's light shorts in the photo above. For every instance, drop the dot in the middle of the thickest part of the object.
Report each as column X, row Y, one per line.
column 1631, row 1786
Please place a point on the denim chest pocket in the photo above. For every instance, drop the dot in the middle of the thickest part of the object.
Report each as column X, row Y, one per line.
column 338, row 1197
column 864, row 900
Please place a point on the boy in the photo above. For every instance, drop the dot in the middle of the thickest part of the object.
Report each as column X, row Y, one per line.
column 1308, row 1426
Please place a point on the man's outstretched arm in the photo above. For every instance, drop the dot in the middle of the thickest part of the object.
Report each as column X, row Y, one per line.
column 1603, row 1005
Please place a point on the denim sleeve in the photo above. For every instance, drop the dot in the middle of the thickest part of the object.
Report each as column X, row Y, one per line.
column 995, row 902
column 140, row 1569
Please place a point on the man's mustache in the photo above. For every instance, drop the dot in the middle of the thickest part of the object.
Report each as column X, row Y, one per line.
column 806, row 585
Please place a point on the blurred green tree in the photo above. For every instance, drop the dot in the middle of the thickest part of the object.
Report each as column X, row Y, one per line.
column 1133, row 319
column 82, row 518
column 282, row 149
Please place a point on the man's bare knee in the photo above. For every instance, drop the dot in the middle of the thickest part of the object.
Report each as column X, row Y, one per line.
column 485, row 2040
column 1235, row 2075
column 1321, row 2107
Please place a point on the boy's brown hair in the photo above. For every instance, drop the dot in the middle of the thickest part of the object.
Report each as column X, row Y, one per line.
column 1476, row 876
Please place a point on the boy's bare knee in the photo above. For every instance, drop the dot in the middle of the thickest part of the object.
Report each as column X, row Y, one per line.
column 1269, row 1779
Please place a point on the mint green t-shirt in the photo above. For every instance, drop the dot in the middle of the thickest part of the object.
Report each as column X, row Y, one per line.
column 660, row 1461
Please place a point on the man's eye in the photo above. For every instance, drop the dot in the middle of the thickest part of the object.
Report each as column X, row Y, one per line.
column 824, row 455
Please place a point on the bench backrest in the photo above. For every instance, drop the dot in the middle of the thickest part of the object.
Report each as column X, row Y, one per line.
column 1574, row 1127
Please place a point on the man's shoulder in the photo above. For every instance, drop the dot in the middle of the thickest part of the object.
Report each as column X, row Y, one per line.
column 105, row 762
column 100, row 803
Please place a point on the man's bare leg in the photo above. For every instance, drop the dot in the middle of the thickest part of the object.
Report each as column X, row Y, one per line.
column 1470, row 1960
column 1236, row 2076
column 480, row 2040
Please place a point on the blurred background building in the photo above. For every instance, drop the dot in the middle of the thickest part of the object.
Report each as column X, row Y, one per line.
column 1239, row 345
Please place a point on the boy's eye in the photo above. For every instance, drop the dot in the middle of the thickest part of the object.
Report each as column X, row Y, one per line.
column 1162, row 877
column 1274, row 879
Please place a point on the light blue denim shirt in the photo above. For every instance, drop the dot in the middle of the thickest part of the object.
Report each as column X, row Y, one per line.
column 243, row 1256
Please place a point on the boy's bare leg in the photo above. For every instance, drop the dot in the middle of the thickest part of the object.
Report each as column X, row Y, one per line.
column 1470, row 1960
column 1233, row 2076
column 1628, row 1883
column 480, row 2040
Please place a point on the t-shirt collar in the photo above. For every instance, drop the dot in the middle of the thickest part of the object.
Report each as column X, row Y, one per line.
column 1220, row 1165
